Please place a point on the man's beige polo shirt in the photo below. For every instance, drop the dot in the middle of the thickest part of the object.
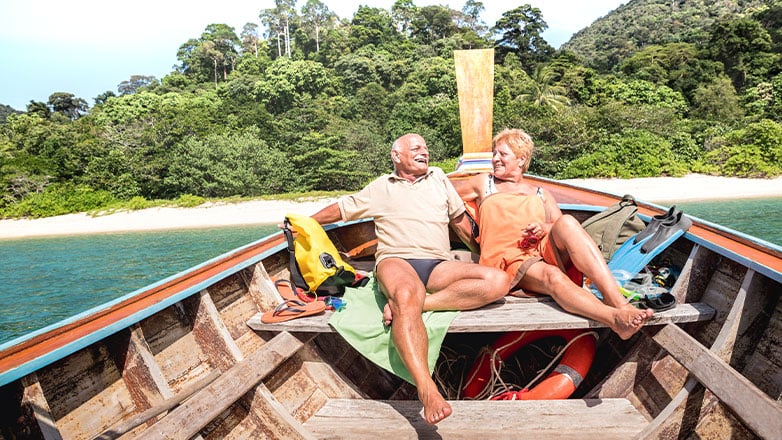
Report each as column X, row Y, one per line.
column 411, row 219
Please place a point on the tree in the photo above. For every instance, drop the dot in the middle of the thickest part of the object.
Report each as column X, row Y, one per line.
column 753, row 151
column 744, row 48
column 270, row 20
column 68, row 104
column 278, row 21
column 433, row 23
column 190, row 65
column 543, row 92
column 250, row 38
column 717, row 101
column 357, row 71
column 224, row 165
column 135, row 83
column 39, row 108
column 520, row 31
column 223, row 50
column 371, row 26
column 103, row 97
column 214, row 55
column 471, row 17
column 5, row 111
column 288, row 83
column 316, row 18
column 680, row 66
column 403, row 12
column 287, row 11
column 632, row 153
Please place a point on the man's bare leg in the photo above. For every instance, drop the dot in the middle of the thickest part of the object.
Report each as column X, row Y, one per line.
column 406, row 295
column 459, row 285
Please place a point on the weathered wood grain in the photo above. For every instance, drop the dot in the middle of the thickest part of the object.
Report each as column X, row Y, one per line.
column 187, row 419
column 598, row 419
column 502, row 317
column 756, row 409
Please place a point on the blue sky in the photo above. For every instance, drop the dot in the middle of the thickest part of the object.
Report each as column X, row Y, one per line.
column 87, row 47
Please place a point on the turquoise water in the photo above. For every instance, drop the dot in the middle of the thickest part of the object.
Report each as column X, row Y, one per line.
column 45, row 280
column 761, row 218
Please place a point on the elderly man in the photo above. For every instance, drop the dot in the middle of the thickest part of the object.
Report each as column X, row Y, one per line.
column 412, row 208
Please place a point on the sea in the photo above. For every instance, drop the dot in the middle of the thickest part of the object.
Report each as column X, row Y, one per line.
column 46, row 280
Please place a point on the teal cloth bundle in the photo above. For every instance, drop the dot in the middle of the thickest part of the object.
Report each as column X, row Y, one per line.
column 360, row 323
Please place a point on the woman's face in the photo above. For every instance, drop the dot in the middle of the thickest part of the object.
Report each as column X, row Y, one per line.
column 504, row 161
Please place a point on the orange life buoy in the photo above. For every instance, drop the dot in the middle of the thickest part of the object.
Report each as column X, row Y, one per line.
column 559, row 384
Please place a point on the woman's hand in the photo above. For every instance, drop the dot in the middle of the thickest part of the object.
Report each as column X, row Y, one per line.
column 531, row 235
column 533, row 230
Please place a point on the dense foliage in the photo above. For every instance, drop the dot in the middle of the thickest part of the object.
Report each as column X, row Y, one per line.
column 312, row 102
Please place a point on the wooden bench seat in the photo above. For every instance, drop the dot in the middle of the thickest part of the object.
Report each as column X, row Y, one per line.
column 602, row 419
column 523, row 314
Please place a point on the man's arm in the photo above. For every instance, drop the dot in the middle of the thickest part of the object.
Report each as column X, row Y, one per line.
column 329, row 214
column 463, row 228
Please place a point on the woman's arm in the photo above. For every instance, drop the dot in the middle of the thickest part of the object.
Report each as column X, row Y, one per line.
column 553, row 213
column 470, row 188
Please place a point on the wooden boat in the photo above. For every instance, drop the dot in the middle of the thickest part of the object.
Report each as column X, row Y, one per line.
column 188, row 357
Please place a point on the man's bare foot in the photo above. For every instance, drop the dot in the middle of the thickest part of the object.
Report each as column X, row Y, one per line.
column 628, row 320
column 435, row 407
column 387, row 315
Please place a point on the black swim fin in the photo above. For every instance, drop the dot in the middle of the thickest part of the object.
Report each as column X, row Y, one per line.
column 674, row 226
column 654, row 224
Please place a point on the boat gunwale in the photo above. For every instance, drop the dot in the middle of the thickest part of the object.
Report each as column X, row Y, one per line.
column 27, row 354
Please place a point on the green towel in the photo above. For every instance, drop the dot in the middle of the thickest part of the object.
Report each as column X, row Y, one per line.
column 360, row 322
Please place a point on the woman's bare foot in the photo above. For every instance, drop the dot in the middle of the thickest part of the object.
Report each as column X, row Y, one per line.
column 628, row 320
column 387, row 315
column 435, row 407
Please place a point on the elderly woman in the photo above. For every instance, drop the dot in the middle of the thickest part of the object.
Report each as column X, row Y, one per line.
column 524, row 233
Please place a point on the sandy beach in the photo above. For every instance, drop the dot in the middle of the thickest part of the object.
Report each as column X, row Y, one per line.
column 662, row 190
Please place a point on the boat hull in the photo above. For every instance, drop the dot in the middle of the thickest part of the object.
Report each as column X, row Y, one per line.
column 178, row 359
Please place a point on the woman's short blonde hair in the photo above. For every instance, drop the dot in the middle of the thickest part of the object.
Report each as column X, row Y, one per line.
column 518, row 141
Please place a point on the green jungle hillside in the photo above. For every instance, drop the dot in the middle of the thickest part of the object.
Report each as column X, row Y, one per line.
column 309, row 101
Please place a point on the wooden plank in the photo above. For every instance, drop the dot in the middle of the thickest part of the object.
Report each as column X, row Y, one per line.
column 475, row 84
column 147, row 415
column 671, row 415
column 757, row 410
column 599, row 419
column 187, row 419
column 33, row 396
column 502, row 317
column 270, row 412
column 213, row 336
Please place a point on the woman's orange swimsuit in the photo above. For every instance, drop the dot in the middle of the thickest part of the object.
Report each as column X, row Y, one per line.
column 501, row 217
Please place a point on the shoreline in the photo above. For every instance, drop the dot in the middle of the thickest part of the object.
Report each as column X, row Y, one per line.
column 692, row 187
column 663, row 190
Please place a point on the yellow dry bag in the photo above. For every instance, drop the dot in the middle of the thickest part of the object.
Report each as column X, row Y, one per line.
column 315, row 263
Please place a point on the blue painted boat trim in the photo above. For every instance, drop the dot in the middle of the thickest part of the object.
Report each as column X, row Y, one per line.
column 61, row 352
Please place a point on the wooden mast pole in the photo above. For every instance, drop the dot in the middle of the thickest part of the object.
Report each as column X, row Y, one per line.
column 475, row 86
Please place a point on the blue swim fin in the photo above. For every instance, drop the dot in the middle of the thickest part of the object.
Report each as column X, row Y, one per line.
column 633, row 256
